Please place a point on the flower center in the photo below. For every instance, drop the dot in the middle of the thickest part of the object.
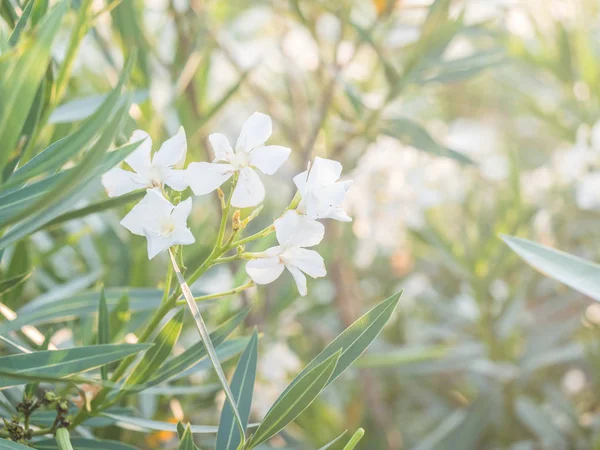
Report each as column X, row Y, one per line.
column 156, row 177
column 166, row 227
column 239, row 160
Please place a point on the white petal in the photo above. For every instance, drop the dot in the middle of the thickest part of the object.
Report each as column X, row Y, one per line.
column 157, row 244
column 264, row 270
column 118, row 182
column 255, row 132
column 249, row 190
column 337, row 214
column 182, row 236
column 221, row 147
column 181, row 213
column 299, row 278
column 300, row 181
column 325, row 171
column 136, row 218
column 308, row 261
column 157, row 204
column 204, row 177
column 176, row 180
column 139, row 159
column 320, row 201
column 173, row 151
column 269, row 158
column 294, row 230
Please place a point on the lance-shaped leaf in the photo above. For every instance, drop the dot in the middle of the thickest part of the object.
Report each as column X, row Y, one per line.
column 355, row 339
column 242, row 387
column 197, row 352
column 10, row 445
column 139, row 424
column 84, row 444
column 163, row 344
column 303, row 391
column 61, row 151
column 103, row 329
column 187, row 441
column 581, row 275
column 62, row 363
column 79, row 305
column 19, row 82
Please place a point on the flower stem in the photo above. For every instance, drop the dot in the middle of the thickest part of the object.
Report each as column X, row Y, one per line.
column 204, row 335
column 236, row 290
column 262, row 233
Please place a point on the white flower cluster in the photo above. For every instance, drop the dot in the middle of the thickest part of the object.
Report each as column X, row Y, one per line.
column 165, row 224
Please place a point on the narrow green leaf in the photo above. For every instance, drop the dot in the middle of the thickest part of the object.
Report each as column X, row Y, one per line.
column 19, row 84
column 144, row 425
column 581, row 275
column 197, row 352
column 304, row 389
column 205, row 336
column 80, row 305
column 63, row 363
column 84, row 444
column 10, row 445
column 355, row 339
column 158, row 354
column 187, row 441
column 94, row 208
column 20, row 26
column 12, row 282
column 83, row 108
column 66, row 194
column 414, row 134
column 61, row 151
column 92, row 166
column 103, row 329
column 242, row 387
column 335, row 441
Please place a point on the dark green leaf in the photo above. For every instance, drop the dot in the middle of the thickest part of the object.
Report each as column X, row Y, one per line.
column 19, row 84
column 355, row 339
column 242, row 386
column 197, row 352
column 187, row 441
column 103, row 329
column 412, row 133
column 158, row 354
column 303, row 391
column 84, row 444
column 63, row 363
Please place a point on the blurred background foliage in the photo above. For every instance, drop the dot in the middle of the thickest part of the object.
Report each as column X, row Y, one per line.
column 457, row 120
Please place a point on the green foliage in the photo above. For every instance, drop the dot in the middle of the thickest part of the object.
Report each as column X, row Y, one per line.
column 418, row 102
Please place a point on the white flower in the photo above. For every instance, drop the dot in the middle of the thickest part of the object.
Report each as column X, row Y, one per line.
column 150, row 172
column 294, row 232
column 250, row 153
column 322, row 194
column 163, row 224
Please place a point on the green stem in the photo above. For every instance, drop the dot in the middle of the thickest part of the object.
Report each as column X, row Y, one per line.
column 263, row 233
column 212, row 354
column 233, row 291
column 63, row 440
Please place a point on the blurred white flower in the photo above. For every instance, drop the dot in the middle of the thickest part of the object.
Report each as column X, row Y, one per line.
column 588, row 192
column 322, row 193
column 294, row 232
column 481, row 142
column 394, row 186
column 163, row 224
column 150, row 172
column 250, row 153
